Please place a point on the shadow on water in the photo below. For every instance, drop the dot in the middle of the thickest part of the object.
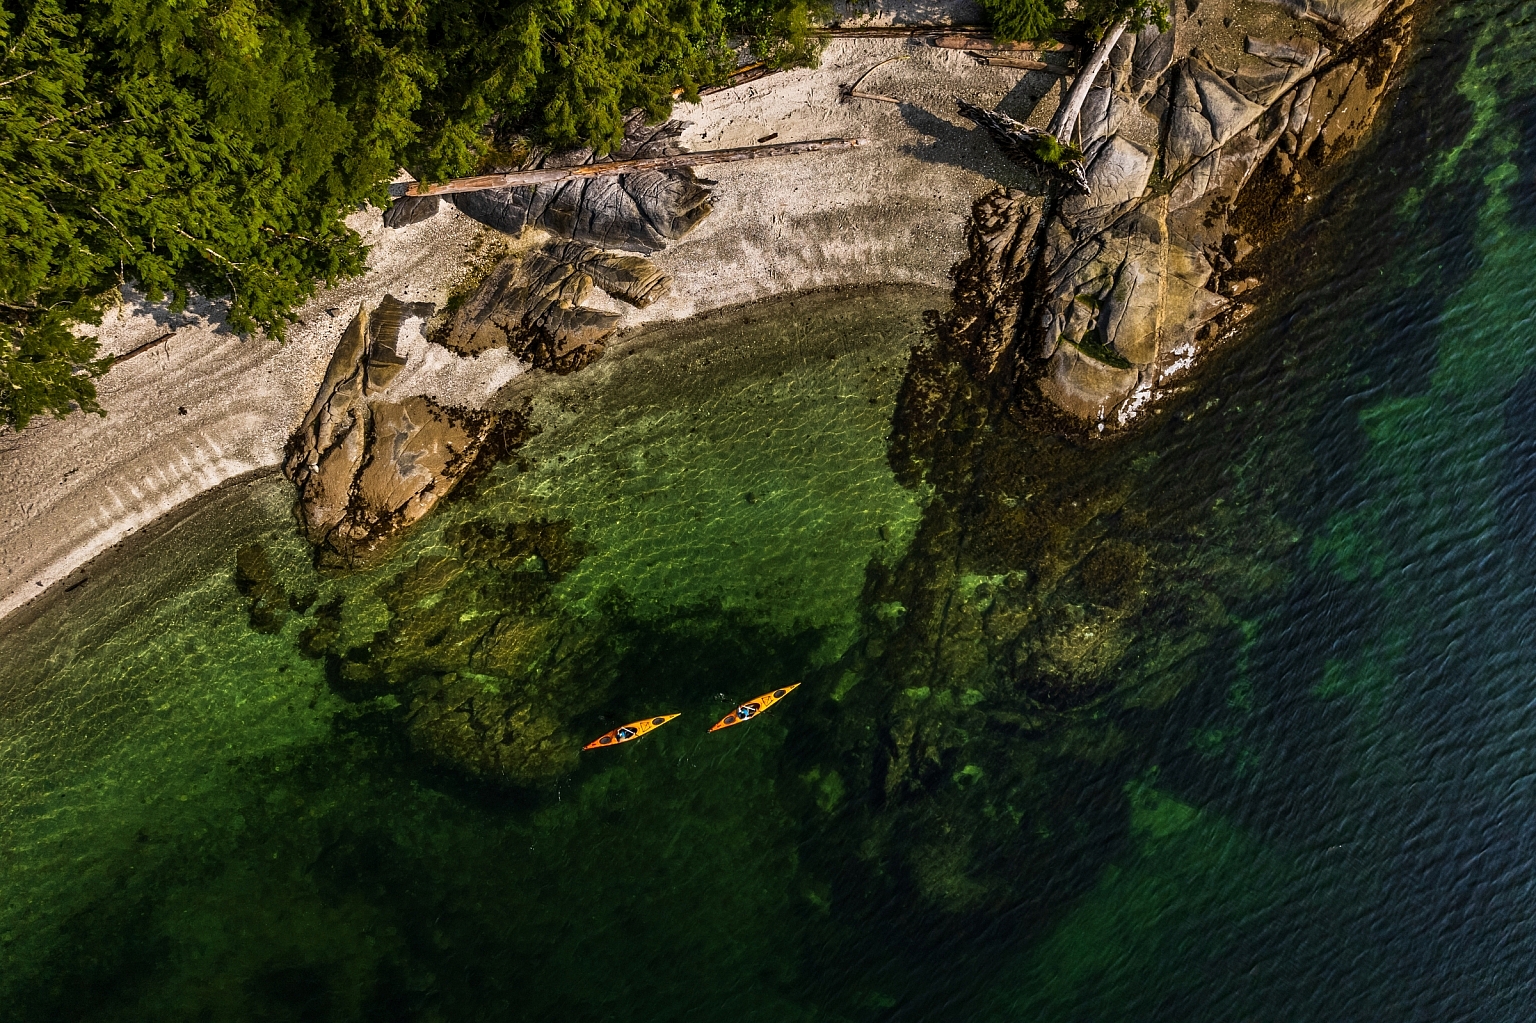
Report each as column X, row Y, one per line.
column 1222, row 720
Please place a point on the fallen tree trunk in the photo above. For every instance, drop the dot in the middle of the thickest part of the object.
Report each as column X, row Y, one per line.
column 1022, row 63
column 141, row 349
column 1066, row 116
column 552, row 175
column 898, row 31
column 955, row 41
column 741, row 76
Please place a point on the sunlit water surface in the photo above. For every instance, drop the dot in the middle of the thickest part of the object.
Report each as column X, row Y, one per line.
column 1336, row 820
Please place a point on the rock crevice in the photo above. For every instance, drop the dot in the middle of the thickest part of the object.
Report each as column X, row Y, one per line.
column 365, row 464
column 1131, row 282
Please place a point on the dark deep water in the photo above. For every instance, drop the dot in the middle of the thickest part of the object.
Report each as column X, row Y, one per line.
column 1332, row 819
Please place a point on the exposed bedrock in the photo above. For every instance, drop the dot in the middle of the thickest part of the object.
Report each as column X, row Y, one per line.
column 367, row 465
column 534, row 305
column 1126, row 286
column 1056, row 600
column 638, row 212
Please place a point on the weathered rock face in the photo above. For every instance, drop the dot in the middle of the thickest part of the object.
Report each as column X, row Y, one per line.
column 1127, row 284
column 639, row 212
column 533, row 305
column 1348, row 17
column 1059, row 596
column 366, row 466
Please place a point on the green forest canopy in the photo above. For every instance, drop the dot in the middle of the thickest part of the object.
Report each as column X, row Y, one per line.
column 1037, row 19
column 215, row 145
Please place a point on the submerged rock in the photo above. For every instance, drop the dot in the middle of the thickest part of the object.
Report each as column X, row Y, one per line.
column 270, row 600
column 533, row 305
column 1056, row 596
column 486, row 668
column 366, row 466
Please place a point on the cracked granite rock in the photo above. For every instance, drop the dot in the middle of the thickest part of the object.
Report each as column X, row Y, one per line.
column 367, row 466
column 639, row 212
column 1120, row 290
column 534, row 305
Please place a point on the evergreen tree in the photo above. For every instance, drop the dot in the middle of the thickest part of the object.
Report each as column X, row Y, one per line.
column 1025, row 20
column 215, row 145
column 1030, row 20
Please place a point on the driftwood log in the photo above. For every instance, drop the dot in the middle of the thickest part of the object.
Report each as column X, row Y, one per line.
column 552, row 175
column 898, row 31
column 1022, row 63
column 958, row 41
column 1066, row 115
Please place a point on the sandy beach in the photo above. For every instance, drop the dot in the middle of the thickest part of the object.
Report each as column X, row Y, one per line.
column 206, row 405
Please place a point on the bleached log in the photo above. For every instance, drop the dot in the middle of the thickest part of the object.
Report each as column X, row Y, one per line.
column 551, row 175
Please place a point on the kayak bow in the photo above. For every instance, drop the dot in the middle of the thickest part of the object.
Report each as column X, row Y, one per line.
column 633, row 730
column 752, row 708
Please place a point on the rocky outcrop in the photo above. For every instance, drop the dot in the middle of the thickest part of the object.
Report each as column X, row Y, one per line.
column 534, row 305
column 1129, row 282
column 1346, row 17
column 638, row 212
column 1059, row 598
column 367, row 465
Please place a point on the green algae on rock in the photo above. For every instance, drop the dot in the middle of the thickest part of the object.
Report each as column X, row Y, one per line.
column 732, row 469
column 1054, row 599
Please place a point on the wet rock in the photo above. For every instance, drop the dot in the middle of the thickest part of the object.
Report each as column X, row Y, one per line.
column 1069, row 657
column 366, row 466
column 1128, row 278
column 1343, row 104
column 533, row 305
column 639, row 212
column 1219, row 177
column 993, row 284
column 1103, row 315
column 486, row 667
column 1086, row 386
column 257, row 582
column 467, row 722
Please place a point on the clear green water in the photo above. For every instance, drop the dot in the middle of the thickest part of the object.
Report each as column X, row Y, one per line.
column 195, row 826
column 1305, row 795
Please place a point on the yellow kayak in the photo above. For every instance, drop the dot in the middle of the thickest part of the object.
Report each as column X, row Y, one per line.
column 752, row 708
column 633, row 730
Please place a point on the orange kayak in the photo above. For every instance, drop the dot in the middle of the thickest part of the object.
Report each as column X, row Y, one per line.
column 752, row 708
column 633, row 730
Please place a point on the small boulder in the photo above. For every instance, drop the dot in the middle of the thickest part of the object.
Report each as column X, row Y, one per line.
column 638, row 212
column 533, row 305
